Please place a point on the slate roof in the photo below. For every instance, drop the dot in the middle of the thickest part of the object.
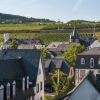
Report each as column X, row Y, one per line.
column 16, row 64
column 29, row 59
column 93, row 51
column 56, row 63
column 90, row 77
column 25, row 41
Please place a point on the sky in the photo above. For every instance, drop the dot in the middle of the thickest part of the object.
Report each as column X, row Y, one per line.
column 63, row 10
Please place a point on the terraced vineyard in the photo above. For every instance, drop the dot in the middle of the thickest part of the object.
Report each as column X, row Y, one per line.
column 45, row 37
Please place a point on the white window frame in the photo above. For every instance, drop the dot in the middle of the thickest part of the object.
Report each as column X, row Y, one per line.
column 1, row 92
column 92, row 62
column 82, row 61
column 8, row 90
column 99, row 61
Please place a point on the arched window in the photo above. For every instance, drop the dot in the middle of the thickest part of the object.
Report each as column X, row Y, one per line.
column 92, row 62
column 99, row 61
column 82, row 61
column 8, row 90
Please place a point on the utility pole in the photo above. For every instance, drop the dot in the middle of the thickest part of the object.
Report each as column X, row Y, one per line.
column 58, row 24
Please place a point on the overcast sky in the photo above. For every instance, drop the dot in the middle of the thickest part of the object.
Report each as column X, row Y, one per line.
column 64, row 10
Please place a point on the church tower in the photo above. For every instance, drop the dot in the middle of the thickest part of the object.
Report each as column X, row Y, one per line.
column 74, row 37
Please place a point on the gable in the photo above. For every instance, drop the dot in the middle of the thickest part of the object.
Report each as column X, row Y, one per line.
column 85, row 91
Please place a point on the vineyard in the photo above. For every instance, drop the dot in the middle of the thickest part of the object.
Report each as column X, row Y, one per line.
column 46, row 38
column 23, row 31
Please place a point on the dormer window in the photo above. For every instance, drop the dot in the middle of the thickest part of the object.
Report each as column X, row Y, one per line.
column 27, row 80
column 99, row 61
column 8, row 90
column 82, row 61
column 1, row 92
column 14, row 88
column 23, row 84
column 92, row 62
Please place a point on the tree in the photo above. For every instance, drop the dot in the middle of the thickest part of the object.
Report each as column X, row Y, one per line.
column 13, row 44
column 70, row 55
column 45, row 53
column 60, row 82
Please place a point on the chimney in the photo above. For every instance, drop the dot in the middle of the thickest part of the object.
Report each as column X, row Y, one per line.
column 8, row 90
column 23, row 84
column 13, row 88
column 1, row 92
column 6, row 37
column 27, row 82
column 98, row 81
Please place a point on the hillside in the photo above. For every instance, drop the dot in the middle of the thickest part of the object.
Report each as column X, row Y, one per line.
column 16, row 19
column 80, row 22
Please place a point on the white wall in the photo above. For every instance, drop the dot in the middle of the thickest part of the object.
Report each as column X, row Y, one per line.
column 40, row 78
column 77, row 74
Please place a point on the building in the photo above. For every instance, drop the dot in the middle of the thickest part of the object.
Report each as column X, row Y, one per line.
column 57, row 48
column 52, row 65
column 83, row 40
column 22, row 43
column 95, row 44
column 87, row 61
column 74, row 37
column 21, row 75
column 88, row 89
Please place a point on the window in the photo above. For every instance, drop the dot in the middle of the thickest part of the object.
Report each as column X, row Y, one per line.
column 8, row 90
column 41, row 98
column 92, row 62
column 99, row 61
column 37, row 87
column 23, row 84
column 82, row 61
column 82, row 73
column 1, row 92
column 40, row 85
column 39, row 71
column 14, row 88
column 27, row 79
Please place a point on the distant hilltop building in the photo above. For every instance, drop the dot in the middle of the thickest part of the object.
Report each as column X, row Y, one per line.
column 84, row 40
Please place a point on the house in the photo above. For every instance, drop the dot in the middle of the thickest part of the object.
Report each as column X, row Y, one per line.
column 95, row 44
column 58, row 48
column 87, row 61
column 83, row 40
column 23, row 43
column 51, row 65
column 21, row 75
column 88, row 89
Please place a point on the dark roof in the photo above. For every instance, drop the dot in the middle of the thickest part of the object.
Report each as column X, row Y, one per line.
column 62, row 47
column 11, row 69
column 86, row 41
column 30, row 60
column 16, row 64
column 56, row 63
column 90, row 77
column 25, row 41
column 93, row 51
